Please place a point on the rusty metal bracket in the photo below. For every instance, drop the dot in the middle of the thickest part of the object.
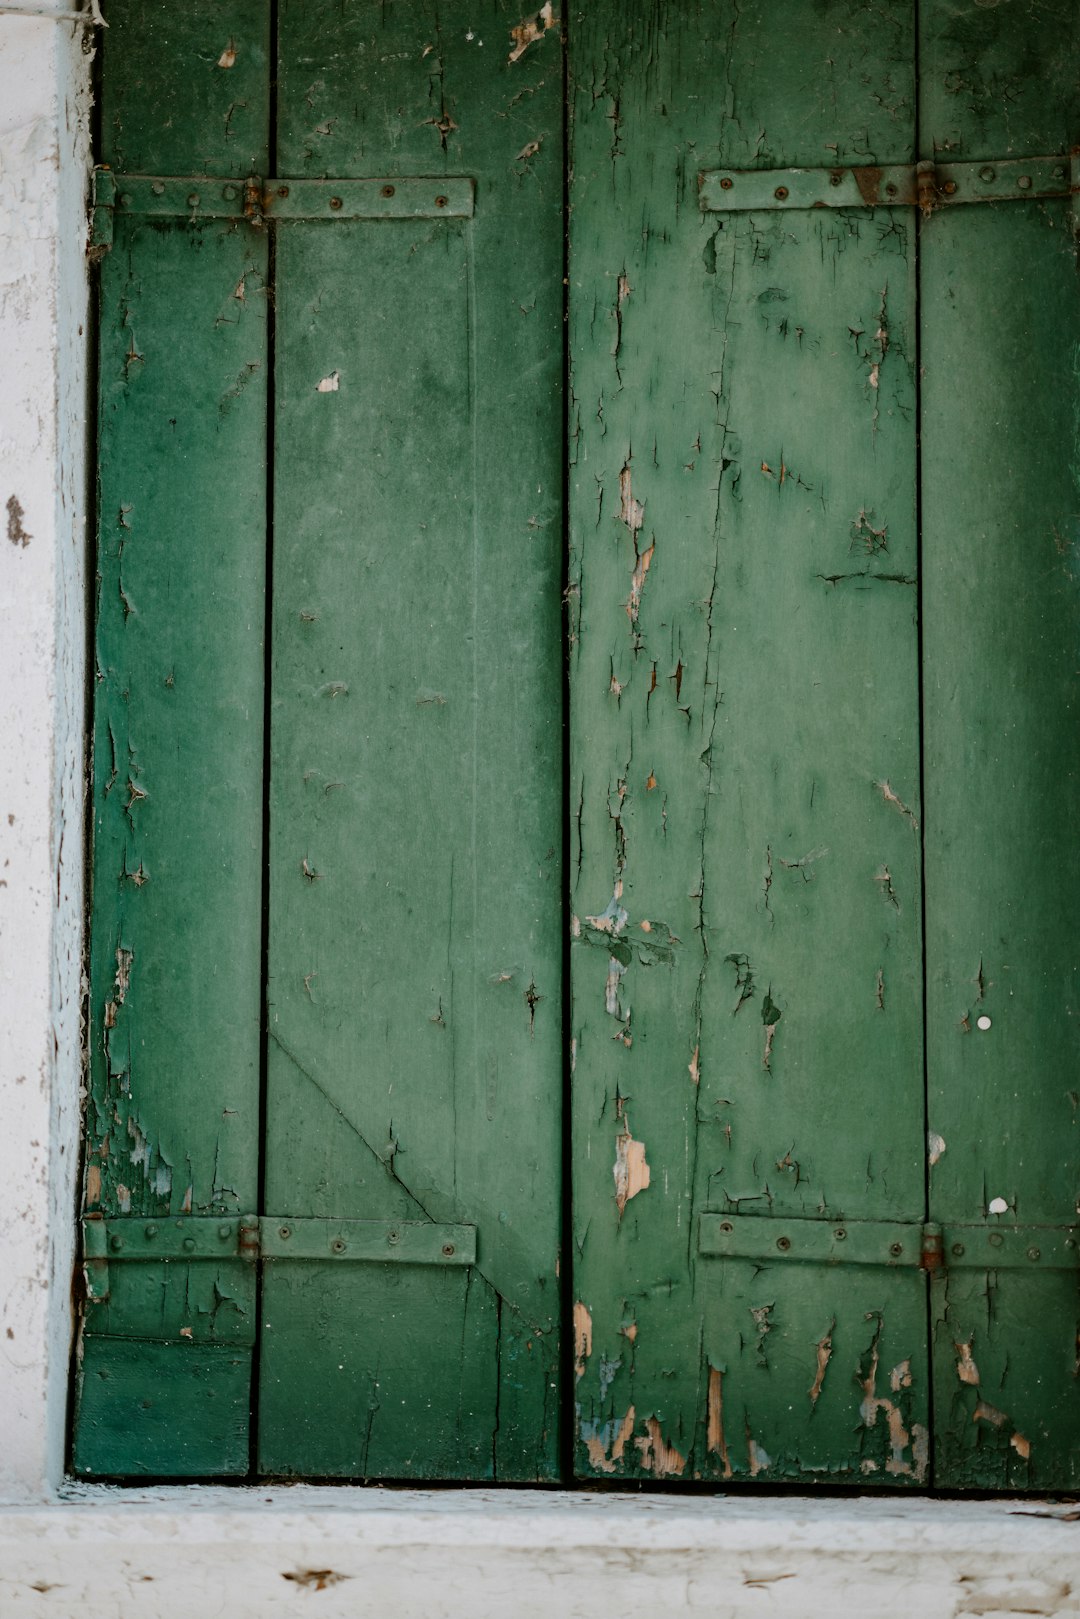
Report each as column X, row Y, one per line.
column 928, row 185
column 925, row 1246
column 193, row 1238
column 102, row 207
column 254, row 201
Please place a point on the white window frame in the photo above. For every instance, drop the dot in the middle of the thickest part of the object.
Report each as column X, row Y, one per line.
column 252, row 1550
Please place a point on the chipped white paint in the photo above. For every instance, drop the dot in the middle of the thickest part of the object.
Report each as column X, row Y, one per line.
column 168, row 1553
column 935, row 1145
column 328, row 385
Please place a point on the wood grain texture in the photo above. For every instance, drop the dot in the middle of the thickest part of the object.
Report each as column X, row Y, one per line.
column 415, row 1063
column 1001, row 541
column 173, row 1112
column 745, row 766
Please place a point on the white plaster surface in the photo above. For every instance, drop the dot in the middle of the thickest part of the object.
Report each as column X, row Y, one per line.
column 479, row 1554
column 42, row 686
column 103, row 1553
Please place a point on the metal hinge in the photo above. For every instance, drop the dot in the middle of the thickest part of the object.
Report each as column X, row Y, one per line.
column 926, row 1246
column 257, row 201
column 192, row 1238
column 928, row 185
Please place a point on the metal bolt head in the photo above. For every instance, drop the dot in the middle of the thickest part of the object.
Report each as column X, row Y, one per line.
column 151, row 1230
column 224, row 1232
column 835, row 179
column 393, row 1236
column 283, row 191
column 958, row 1249
column 988, row 173
column 335, row 203
column 783, row 1243
column 840, row 1233
column 229, row 193
column 725, row 1225
column 284, row 1232
column 896, row 1249
column 158, row 188
column 193, row 199
column 116, row 1243
column 781, row 193
column 126, row 199
column 188, row 1245
column 441, row 202
column 338, row 1245
column 387, row 191
column 1059, row 173
column 890, row 190
column 1034, row 1253
column 726, row 184
column 1024, row 182
column 448, row 1250
column 996, row 1239
column 949, row 188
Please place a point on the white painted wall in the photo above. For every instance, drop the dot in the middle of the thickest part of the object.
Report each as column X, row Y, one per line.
column 43, row 315
column 155, row 1554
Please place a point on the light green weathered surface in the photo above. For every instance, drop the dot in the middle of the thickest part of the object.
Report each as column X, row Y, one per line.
column 1001, row 567
column 415, row 949
column 744, row 700
column 172, row 1123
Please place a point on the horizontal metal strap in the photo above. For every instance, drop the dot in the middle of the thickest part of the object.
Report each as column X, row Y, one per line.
column 773, row 1240
column 402, row 1242
column 197, row 1237
column 928, row 185
column 251, row 198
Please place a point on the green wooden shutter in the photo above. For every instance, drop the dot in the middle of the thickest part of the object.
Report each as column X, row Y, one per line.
column 763, row 387
column 1001, row 526
column 165, row 1356
column 747, row 1009
column 415, row 793
column 822, row 509
column 409, row 1192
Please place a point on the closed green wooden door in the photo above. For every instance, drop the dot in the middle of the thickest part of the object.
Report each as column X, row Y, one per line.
column 328, row 640
column 814, row 1083
column 824, row 756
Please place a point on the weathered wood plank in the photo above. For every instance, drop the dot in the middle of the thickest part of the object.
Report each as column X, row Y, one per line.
column 1001, row 542
column 745, row 784
column 172, row 1122
column 415, row 951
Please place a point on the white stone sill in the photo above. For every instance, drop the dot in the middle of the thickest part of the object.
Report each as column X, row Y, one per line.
column 162, row 1552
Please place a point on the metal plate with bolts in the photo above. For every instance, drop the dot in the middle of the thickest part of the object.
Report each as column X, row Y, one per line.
column 871, row 1242
column 928, row 185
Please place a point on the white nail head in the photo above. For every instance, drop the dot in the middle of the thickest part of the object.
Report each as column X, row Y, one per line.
column 998, row 1205
column 984, row 1022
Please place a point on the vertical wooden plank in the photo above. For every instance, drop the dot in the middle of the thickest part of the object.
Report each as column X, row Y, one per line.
column 415, row 951
column 172, row 1123
column 1001, row 540
column 745, row 768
